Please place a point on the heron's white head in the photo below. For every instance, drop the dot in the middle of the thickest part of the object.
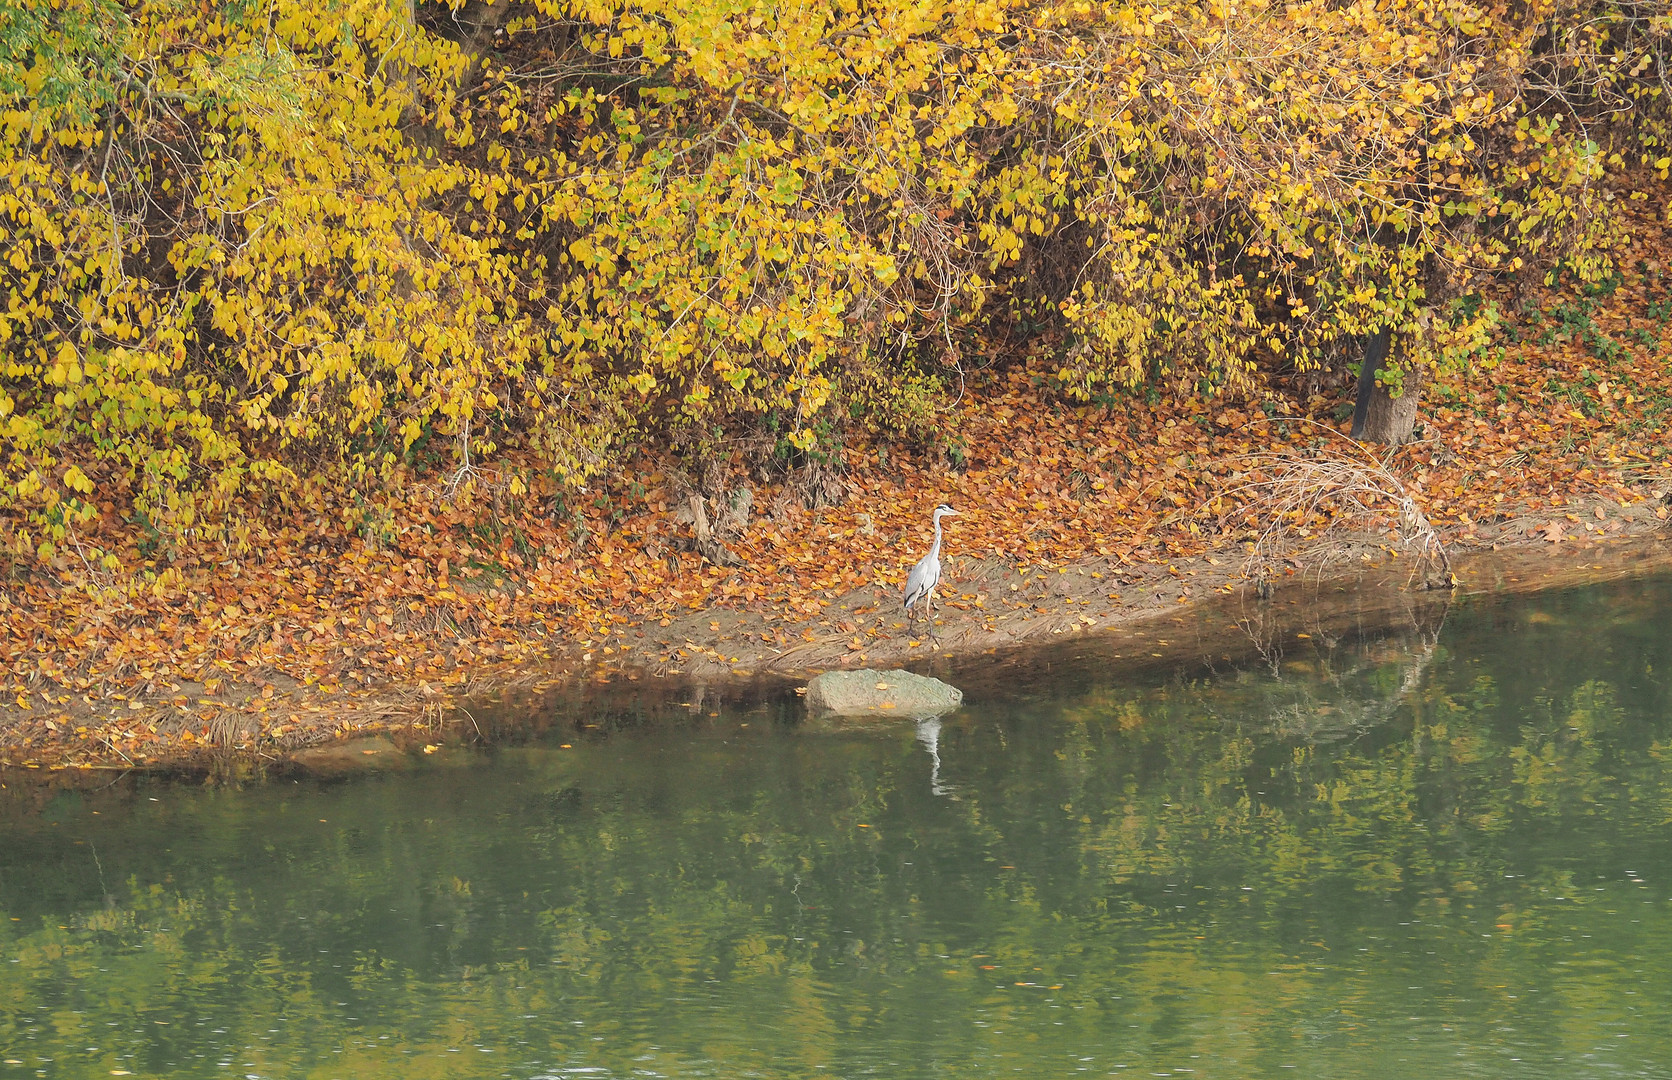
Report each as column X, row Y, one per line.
column 943, row 510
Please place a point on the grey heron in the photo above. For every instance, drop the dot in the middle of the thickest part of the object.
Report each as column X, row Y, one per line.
column 921, row 582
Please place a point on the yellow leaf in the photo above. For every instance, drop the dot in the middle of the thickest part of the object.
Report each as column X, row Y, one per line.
column 77, row 480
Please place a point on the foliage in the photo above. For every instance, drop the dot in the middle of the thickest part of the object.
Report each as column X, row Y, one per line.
column 239, row 263
column 284, row 249
column 1303, row 173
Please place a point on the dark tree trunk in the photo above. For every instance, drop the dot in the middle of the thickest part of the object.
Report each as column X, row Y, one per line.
column 472, row 26
column 1379, row 417
column 1375, row 351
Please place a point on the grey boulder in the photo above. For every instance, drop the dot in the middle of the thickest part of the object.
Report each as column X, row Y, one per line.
column 880, row 693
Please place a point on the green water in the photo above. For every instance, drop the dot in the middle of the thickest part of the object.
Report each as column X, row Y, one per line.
column 1441, row 850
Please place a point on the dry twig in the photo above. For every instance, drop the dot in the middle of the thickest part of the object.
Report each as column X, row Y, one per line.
column 1305, row 505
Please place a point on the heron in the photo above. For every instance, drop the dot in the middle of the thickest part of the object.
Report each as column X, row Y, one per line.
column 921, row 582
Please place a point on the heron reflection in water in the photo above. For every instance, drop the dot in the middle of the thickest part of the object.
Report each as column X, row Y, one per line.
column 928, row 733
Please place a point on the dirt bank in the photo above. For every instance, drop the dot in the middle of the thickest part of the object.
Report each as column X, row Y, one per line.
column 989, row 606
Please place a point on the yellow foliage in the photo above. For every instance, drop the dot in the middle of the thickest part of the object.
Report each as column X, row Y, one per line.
column 327, row 239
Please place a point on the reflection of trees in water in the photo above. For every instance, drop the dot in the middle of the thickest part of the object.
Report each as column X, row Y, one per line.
column 1158, row 851
column 1341, row 683
column 1314, row 681
column 1380, row 761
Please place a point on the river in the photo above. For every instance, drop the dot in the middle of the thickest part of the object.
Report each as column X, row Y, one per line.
column 1436, row 849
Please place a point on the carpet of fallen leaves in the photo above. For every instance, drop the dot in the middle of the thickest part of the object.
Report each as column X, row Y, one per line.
column 317, row 629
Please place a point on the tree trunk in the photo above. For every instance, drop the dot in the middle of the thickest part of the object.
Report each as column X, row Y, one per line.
column 705, row 542
column 472, row 26
column 1380, row 417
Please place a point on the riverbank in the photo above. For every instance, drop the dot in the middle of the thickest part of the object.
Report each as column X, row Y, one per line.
column 990, row 606
column 324, row 619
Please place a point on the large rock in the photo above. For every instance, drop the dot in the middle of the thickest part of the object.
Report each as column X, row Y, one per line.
column 880, row 693
column 374, row 754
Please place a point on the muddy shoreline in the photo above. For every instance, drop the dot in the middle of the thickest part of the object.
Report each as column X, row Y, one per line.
column 993, row 616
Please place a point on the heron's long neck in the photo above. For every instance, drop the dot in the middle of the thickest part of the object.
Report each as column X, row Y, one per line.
column 934, row 551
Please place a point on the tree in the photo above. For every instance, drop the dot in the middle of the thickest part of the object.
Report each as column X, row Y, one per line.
column 275, row 246
column 226, row 259
column 1270, row 181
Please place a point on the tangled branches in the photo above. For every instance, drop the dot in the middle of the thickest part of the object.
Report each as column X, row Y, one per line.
column 1308, row 508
